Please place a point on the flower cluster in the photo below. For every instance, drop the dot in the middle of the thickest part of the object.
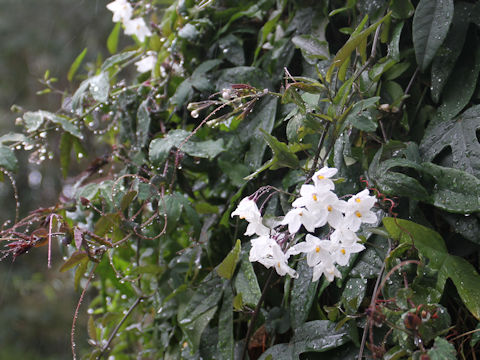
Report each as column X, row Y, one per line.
column 122, row 12
column 316, row 207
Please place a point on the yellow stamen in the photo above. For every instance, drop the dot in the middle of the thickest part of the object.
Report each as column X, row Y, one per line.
column 278, row 264
column 317, row 249
column 359, row 215
column 314, row 196
column 329, row 208
column 242, row 217
column 343, row 251
column 358, row 200
column 320, row 177
column 300, row 213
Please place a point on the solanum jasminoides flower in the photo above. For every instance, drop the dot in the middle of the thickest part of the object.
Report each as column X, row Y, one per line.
column 147, row 63
column 122, row 10
column 326, row 268
column 321, row 178
column 316, row 250
column 137, row 27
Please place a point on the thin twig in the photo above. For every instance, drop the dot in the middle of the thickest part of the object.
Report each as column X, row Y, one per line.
column 255, row 314
column 317, row 154
column 77, row 309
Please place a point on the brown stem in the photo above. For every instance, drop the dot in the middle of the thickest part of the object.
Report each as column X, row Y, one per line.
column 77, row 309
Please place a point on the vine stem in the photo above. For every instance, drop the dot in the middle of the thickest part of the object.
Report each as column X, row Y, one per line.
column 77, row 309
column 117, row 328
column 255, row 314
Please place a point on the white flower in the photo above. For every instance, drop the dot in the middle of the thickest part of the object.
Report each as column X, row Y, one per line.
column 326, row 268
column 138, row 28
column 256, row 226
column 310, row 197
column 147, row 63
column 362, row 200
column 280, row 261
column 321, row 178
column 333, row 210
column 294, row 219
column 247, row 209
column 317, row 250
column 344, row 243
column 122, row 10
column 261, row 248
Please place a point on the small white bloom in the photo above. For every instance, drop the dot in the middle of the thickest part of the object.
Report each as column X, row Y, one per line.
column 358, row 210
column 122, row 10
column 341, row 250
column 138, row 28
column 261, row 248
column 294, row 219
column 321, row 178
column 256, row 226
column 247, row 209
column 146, row 64
column 317, row 250
column 279, row 260
column 326, row 268
column 310, row 197
column 362, row 200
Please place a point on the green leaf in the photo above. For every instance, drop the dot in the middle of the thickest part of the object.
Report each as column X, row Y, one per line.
column 394, row 182
column 204, row 149
column 442, row 350
column 33, row 120
column 401, row 9
column 431, row 245
column 302, row 295
column 359, row 117
column 353, row 294
column 74, row 259
column 143, row 123
column 160, row 147
column 226, row 341
column 462, row 84
column 311, row 46
column 454, row 190
column 76, row 64
column 194, row 318
column 263, row 117
column 447, row 55
column 313, row 336
column 281, row 152
column 430, row 26
column 355, row 40
column 8, row 160
column 92, row 332
column 66, row 144
column 116, row 59
column 227, row 267
column 99, row 87
column 460, row 135
column 112, row 40
column 246, row 282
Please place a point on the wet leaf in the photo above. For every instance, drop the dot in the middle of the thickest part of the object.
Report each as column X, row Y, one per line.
column 302, row 295
column 444, row 61
column 143, row 123
column 227, row 267
column 74, row 259
column 246, row 282
column 430, row 26
column 226, row 341
column 8, row 160
column 460, row 135
column 76, row 64
column 431, row 245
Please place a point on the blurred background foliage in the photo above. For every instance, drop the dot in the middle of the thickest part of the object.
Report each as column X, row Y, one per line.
column 37, row 304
